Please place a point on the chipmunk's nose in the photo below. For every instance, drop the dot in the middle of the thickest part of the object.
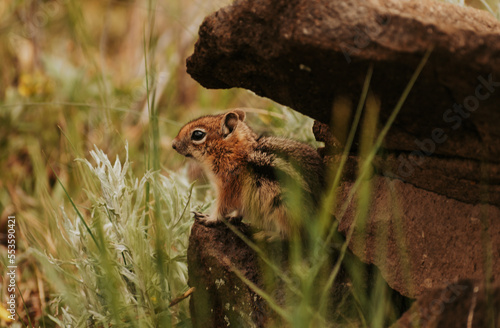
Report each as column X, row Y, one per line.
column 174, row 143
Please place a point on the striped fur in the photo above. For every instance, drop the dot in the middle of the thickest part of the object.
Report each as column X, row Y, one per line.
column 258, row 178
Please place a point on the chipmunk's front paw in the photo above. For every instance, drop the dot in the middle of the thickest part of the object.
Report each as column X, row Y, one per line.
column 205, row 219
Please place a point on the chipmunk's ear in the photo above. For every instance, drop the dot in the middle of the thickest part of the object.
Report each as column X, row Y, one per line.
column 231, row 120
column 241, row 114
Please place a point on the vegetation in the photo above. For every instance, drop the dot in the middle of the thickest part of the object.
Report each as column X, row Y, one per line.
column 102, row 242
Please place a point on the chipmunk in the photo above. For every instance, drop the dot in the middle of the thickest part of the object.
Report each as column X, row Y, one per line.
column 260, row 179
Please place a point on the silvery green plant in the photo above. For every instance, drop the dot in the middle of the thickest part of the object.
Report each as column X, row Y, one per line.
column 110, row 272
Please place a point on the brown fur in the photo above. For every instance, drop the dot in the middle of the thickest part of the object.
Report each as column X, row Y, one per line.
column 248, row 171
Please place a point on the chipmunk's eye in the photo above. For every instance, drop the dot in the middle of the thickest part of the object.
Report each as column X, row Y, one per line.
column 197, row 135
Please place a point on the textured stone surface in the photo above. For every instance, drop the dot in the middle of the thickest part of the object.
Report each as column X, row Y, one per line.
column 307, row 53
column 221, row 298
column 421, row 240
column 462, row 304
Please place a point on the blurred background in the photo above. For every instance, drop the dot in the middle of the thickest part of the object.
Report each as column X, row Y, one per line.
column 75, row 74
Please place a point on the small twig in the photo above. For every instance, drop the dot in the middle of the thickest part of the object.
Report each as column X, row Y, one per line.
column 182, row 297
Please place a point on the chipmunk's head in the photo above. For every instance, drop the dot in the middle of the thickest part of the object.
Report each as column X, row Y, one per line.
column 209, row 138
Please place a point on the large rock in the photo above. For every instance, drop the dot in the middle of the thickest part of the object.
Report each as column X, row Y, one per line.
column 436, row 186
column 221, row 298
column 416, row 250
column 217, row 258
column 307, row 54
